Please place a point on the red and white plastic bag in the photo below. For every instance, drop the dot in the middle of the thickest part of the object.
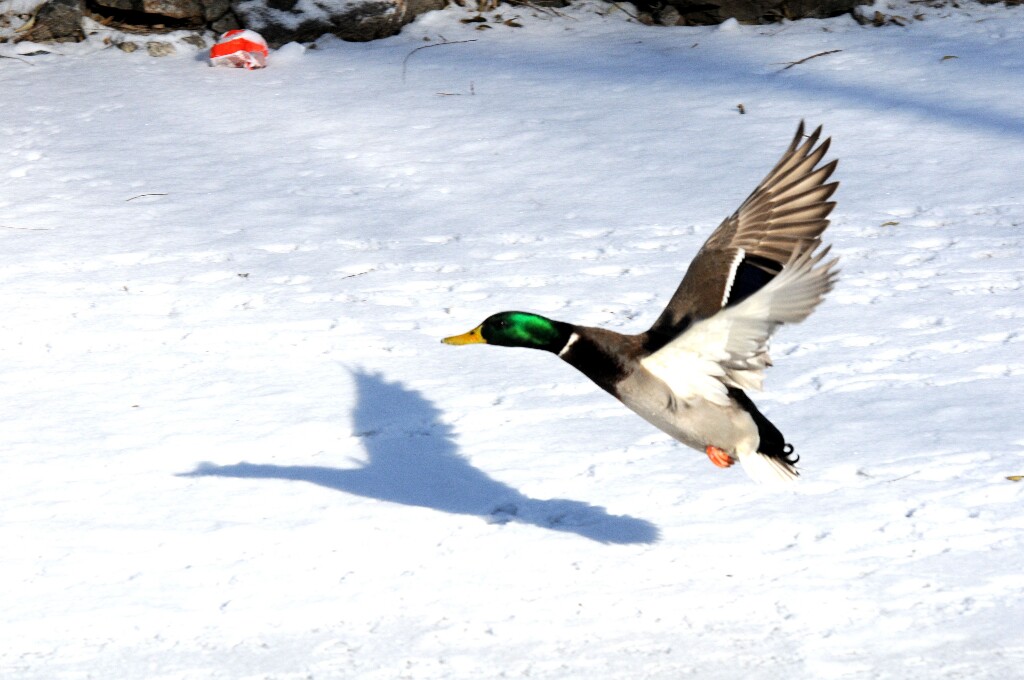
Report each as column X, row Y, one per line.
column 240, row 48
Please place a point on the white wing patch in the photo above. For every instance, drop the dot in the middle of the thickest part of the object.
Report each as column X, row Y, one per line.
column 691, row 365
column 730, row 349
column 740, row 254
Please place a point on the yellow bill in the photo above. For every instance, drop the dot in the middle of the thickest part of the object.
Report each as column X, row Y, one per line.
column 471, row 338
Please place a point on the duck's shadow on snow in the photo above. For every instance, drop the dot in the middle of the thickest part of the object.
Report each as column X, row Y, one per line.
column 411, row 458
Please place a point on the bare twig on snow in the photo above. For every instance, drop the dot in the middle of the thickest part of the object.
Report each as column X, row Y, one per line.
column 405, row 62
column 813, row 56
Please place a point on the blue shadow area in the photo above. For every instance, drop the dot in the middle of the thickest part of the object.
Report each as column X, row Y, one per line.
column 412, row 459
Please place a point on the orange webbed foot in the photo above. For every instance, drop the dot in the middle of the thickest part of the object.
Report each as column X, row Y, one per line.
column 719, row 457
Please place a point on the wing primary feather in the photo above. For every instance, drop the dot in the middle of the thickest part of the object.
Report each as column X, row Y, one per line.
column 785, row 215
column 802, row 165
column 792, row 190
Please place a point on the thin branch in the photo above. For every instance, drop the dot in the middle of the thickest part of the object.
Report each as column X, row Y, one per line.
column 24, row 61
column 405, row 62
column 791, row 64
column 4, row 226
column 142, row 196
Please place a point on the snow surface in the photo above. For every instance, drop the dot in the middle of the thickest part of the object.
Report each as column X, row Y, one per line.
column 234, row 447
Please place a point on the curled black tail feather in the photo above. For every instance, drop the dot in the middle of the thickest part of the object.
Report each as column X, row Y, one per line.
column 773, row 444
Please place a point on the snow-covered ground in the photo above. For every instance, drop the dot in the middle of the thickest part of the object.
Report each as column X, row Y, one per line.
column 233, row 446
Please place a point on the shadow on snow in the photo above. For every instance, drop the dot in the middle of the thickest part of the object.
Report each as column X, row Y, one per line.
column 412, row 459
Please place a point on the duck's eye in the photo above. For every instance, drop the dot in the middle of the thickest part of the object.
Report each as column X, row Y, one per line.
column 503, row 323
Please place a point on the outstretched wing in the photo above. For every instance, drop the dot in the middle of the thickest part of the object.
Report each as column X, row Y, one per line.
column 786, row 214
column 730, row 348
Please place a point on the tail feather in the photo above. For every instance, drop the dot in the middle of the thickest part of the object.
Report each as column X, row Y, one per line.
column 767, row 469
column 774, row 459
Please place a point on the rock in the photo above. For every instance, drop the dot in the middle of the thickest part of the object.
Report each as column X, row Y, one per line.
column 195, row 40
column 158, row 48
column 703, row 12
column 171, row 14
column 175, row 9
column 228, row 22
column 283, row 21
column 57, row 21
column 669, row 16
column 215, row 9
column 61, row 20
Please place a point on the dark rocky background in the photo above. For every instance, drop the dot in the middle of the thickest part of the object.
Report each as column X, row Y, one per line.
column 283, row 21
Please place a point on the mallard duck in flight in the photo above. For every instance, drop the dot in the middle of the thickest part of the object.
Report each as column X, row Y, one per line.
column 686, row 375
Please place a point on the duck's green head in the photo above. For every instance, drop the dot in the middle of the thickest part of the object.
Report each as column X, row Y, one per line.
column 516, row 329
